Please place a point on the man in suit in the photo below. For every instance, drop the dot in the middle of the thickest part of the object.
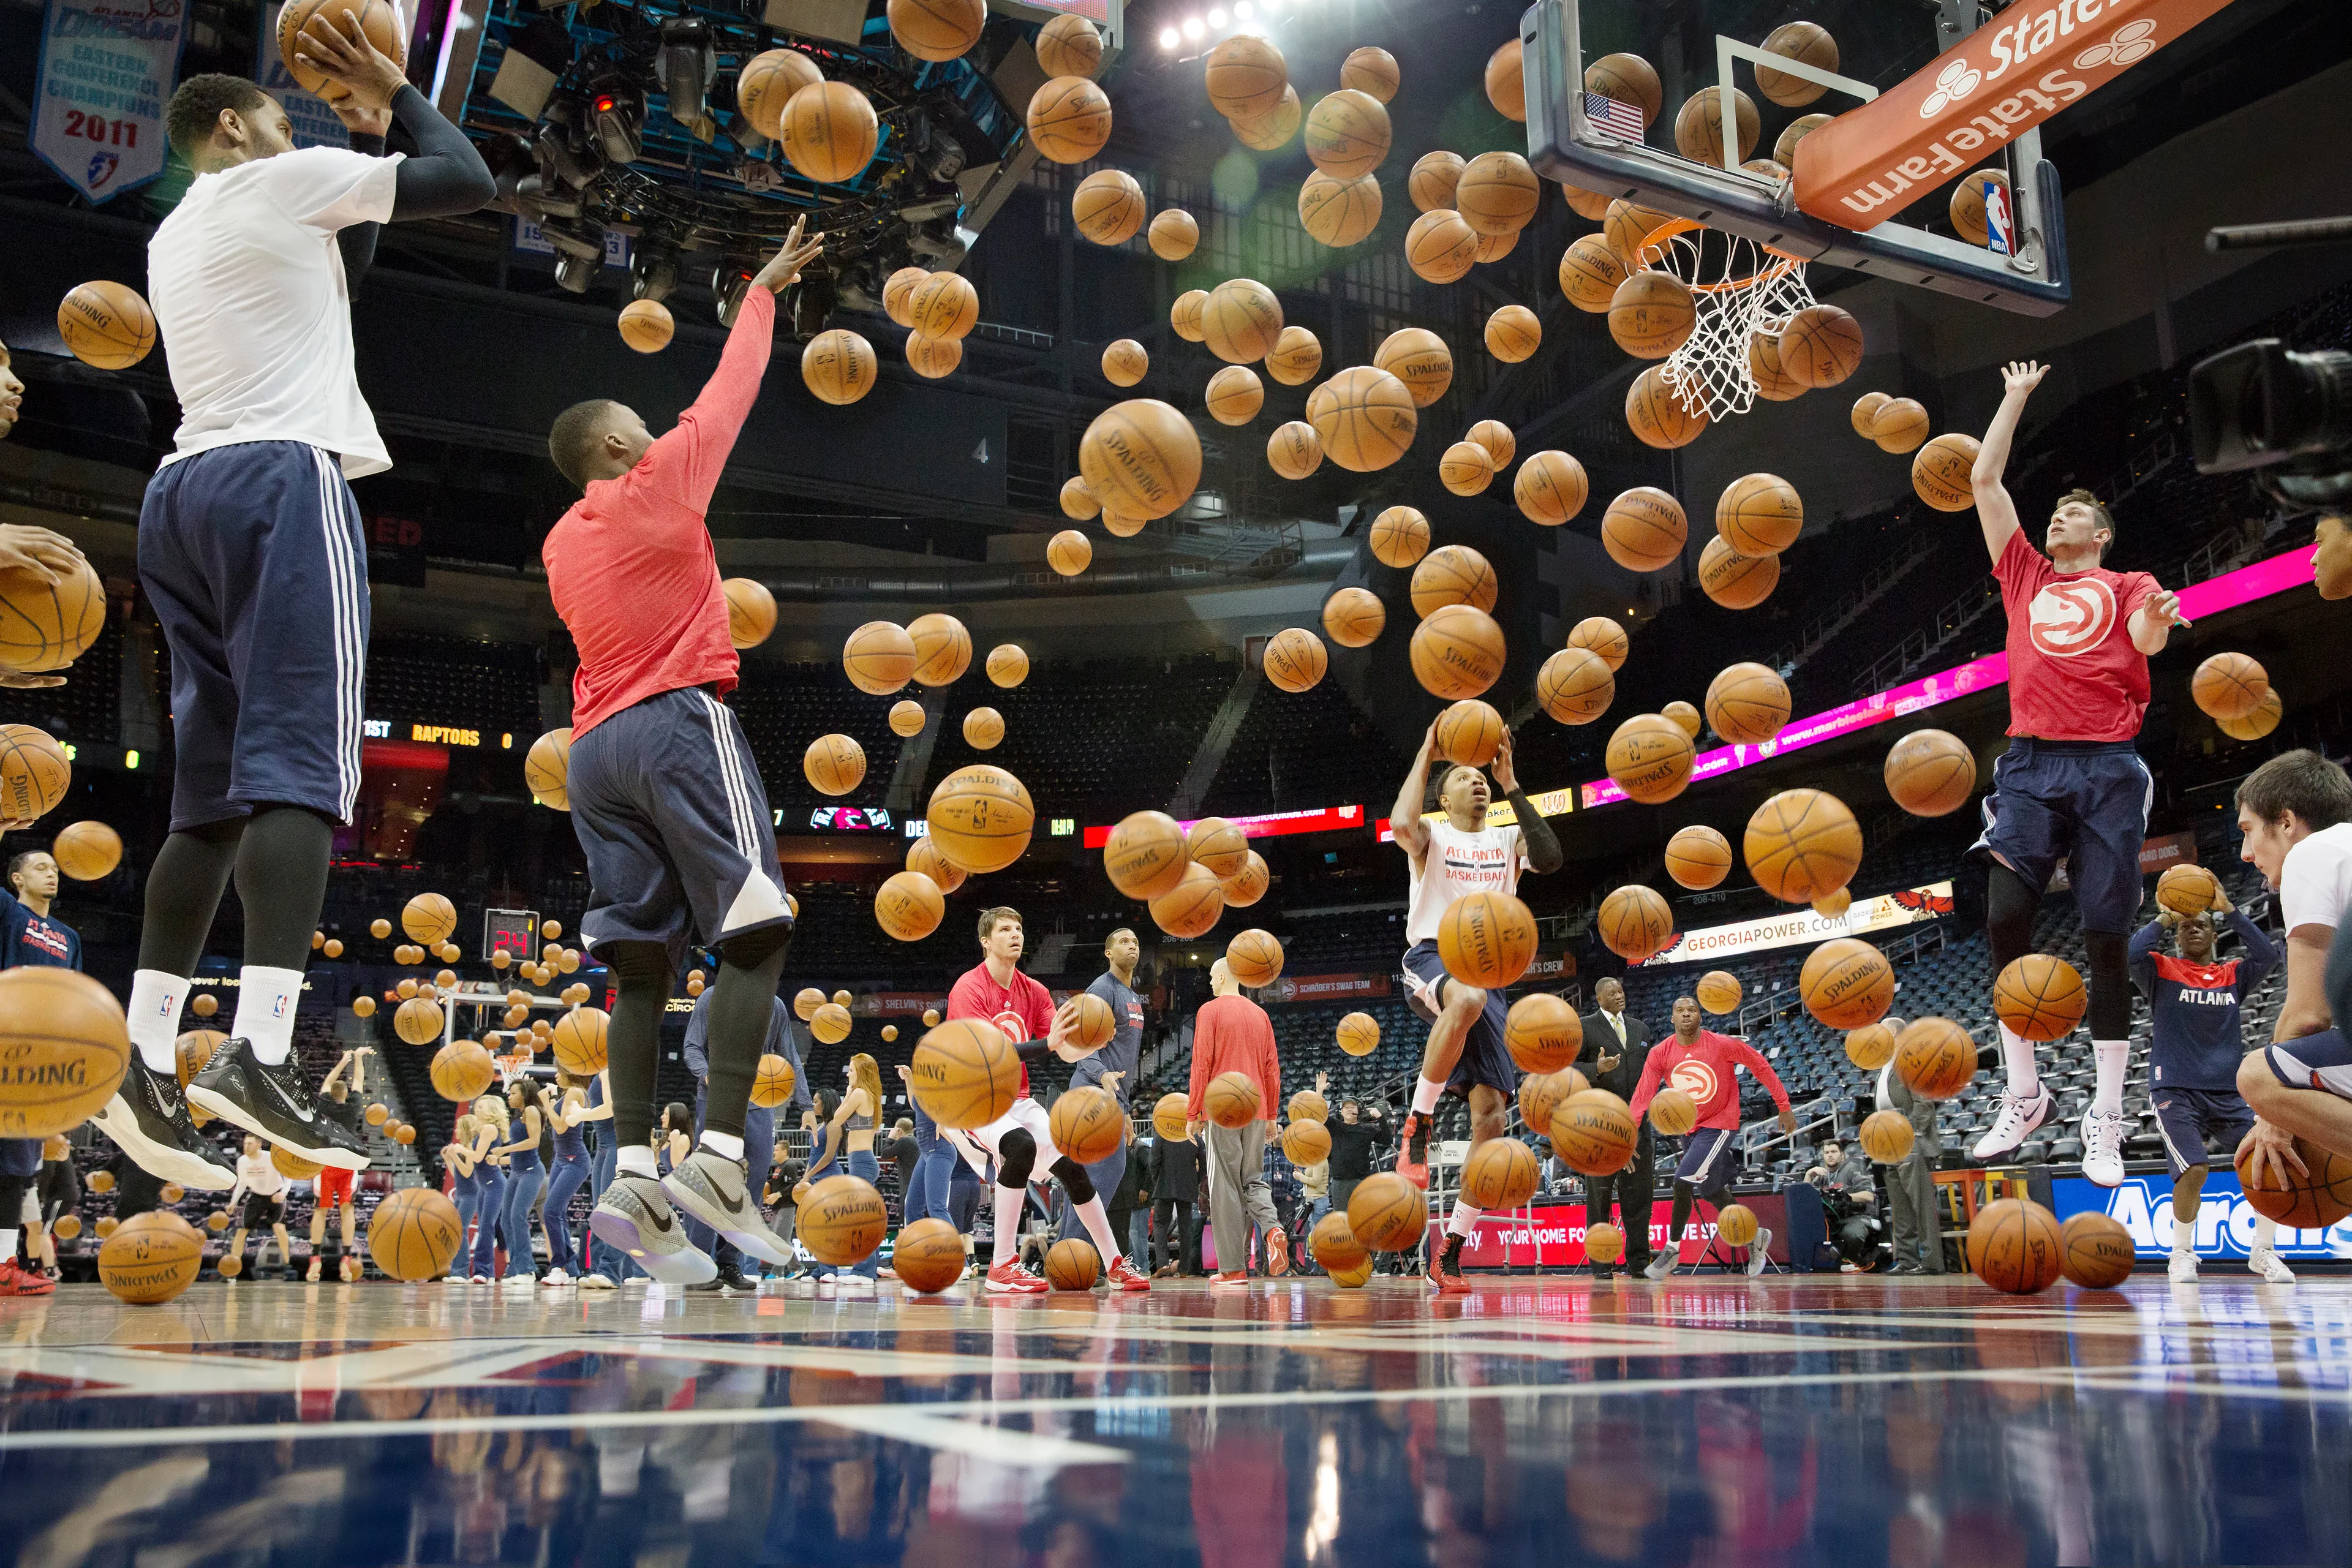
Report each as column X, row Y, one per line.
column 1176, row 1189
column 1617, row 1047
column 1911, row 1198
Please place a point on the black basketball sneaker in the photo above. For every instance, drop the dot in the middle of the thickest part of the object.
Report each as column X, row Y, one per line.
column 148, row 1120
column 271, row 1101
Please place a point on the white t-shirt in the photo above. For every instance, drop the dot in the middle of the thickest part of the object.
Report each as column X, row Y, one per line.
column 1457, row 863
column 259, row 1175
column 248, row 289
column 2315, row 879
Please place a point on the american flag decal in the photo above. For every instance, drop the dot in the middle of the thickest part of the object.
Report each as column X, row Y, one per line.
column 1618, row 119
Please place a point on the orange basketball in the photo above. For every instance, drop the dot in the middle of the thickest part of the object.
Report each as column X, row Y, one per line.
column 1087, row 1124
column 1145, row 855
column 1589, row 273
column 1634, row 923
column 1541, row 1093
column 2226, row 686
column 772, row 1082
column 195, row 1048
column 1365, row 418
column 1684, row 714
column 1457, row 651
column 936, row 29
column 1072, row 1264
column 1935, row 1057
column 1821, row 346
column 1747, row 704
column 462, row 1071
column 1400, row 537
column 1717, row 991
column 1652, row 314
column 1452, row 574
column 46, row 627
column 1486, row 939
column 830, row 131
column 842, row 1220
column 879, row 657
column 1242, row 320
column 1007, row 665
column 2094, row 1250
column 1184, row 315
column 1698, row 858
column 380, row 21
column 1433, row 180
column 1574, row 686
column 1846, row 983
column 1735, row 1224
column 1550, row 488
column 1469, row 732
column 833, row 764
column 1628, row 228
column 2307, row 1202
column 1900, row 426
column 1254, row 957
column 1296, row 659
column 546, row 769
column 2040, row 997
column 1760, row 514
column 1107, row 207
column 1772, row 382
column 1498, row 193
column 86, row 851
column 1347, row 133
column 1293, row 450
column 1672, row 1112
column 945, row 306
column 63, row 1048
column 1940, row 473
column 1870, row 1047
column 1141, row 457
column 1440, row 248
column 1339, row 213
column 1698, row 126
column 1077, row 501
column 1542, row 1033
column 1386, row 1213
column 1658, row 417
column 578, row 1039
column 414, row 1234
column 152, row 1257
column 1930, row 773
column 34, row 772
column 1069, row 119
column 1650, row 757
column 1069, row 553
column 908, row 906
column 964, row 1073
column 766, row 84
column 1594, row 1132
column 2013, row 1246
column 838, row 365
column 1644, row 528
column 1506, row 87
column 898, row 292
column 1354, row 617
column 1245, row 75
column 1802, row 844
column 1296, row 356
column 1784, row 149
column 1806, row 42
column 928, row 1253
column 981, row 817
column 1603, row 1242
column 1306, row 1142
column 1370, row 70
column 1628, row 79
column 1967, row 208
column 1358, row 1034
column 2187, row 889
column 1333, row 1243
column 1170, row 1115
column 1192, row 906
column 647, row 325
column 417, row 1020
column 1885, row 1135
column 2256, row 724
column 1232, row 1099
column 1174, row 235
column 922, row 856
column 1235, row 395
column 1500, row 1173
column 1514, row 333
column 1466, row 468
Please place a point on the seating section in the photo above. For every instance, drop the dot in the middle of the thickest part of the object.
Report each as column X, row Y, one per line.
column 1299, row 750
column 86, row 709
column 462, row 681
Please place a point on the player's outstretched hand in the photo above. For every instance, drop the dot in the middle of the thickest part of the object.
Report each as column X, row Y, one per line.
column 337, row 48
column 2023, row 376
column 2163, row 607
column 785, row 265
column 2268, row 1151
column 1506, row 775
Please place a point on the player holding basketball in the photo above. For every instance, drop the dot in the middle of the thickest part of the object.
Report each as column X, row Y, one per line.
column 1705, row 1065
column 1465, row 1056
column 665, row 796
column 995, row 989
column 250, row 550
column 29, row 937
column 2194, row 1052
column 2072, row 784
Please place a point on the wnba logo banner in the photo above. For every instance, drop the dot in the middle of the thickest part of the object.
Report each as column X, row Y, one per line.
column 2225, row 1220
column 107, row 70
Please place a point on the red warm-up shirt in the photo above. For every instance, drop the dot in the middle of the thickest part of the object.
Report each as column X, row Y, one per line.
column 1705, row 1070
column 630, row 566
column 1022, row 1010
column 2073, row 674
column 1233, row 1034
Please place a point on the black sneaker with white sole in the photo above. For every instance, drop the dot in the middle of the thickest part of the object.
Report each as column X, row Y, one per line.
column 270, row 1101
column 148, row 1120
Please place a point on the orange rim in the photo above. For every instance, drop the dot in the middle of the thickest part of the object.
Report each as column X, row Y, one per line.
column 1658, row 238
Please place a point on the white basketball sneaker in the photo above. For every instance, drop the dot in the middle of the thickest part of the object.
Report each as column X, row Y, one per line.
column 2182, row 1270
column 2271, row 1266
column 2016, row 1118
column 2102, row 1147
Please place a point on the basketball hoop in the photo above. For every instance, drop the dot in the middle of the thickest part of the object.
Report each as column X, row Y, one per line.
column 1741, row 289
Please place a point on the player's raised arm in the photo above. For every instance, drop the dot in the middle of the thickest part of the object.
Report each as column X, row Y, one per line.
column 706, row 433
column 1995, row 511
column 1404, row 817
column 446, row 178
column 1542, row 844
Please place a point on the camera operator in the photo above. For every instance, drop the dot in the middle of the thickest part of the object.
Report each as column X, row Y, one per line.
column 1848, row 1199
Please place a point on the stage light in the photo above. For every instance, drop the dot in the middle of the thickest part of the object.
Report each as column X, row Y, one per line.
column 573, row 274
column 687, row 62
column 1244, row 10
column 653, row 269
column 729, row 280
column 1217, row 17
column 1169, row 38
column 1194, row 30
column 616, row 118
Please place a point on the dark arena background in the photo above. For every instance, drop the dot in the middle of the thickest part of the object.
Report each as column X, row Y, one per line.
column 1158, row 350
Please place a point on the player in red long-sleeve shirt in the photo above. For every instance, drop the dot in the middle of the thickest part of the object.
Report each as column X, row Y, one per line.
column 664, row 795
column 1705, row 1065
column 1231, row 1034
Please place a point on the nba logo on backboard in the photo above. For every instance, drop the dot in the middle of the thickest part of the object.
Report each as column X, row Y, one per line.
column 1997, row 230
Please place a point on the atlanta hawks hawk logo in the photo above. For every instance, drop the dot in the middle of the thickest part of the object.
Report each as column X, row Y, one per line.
column 1694, row 1078
column 2069, row 618
column 1014, row 1026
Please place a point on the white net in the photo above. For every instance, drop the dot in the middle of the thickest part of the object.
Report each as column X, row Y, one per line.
column 1741, row 289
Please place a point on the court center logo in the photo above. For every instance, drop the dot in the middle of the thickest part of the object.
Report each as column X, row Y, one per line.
column 1695, row 1078
column 1953, row 83
column 2128, row 45
column 2069, row 619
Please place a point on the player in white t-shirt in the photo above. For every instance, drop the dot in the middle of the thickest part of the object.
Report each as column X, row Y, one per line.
column 251, row 552
column 1465, row 1055
column 2295, row 811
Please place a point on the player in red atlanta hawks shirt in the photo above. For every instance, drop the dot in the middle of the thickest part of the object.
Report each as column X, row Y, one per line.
column 2072, row 784
column 1701, row 1063
column 996, row 990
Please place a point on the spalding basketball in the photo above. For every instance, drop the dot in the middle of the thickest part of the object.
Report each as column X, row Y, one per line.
column 772, row 1082
column 2013, row 1246
column 1885, row 1136
column 1699, row 127
column 1295, row 658
column 1334, row 1245
column 1735, row 1224
column 1170, row 1114
column 936, row 29
column 1458, row 652
column 1339, row 213
column 579, row 1041
column 1308, row 1106
column 1821, row 346
column 44, row 627
column 908, row 719
column 414, row 1234
column 1486, row 939
column 944, row 306
column 831, row 1024
column 1232, row 1099
column 34, row 772
column 928, row 1253
column 194, row 1049
column 1387, row 1213
column 108, row 325
column 1452, row 574
column 151, row 1257
column 2308, row 1202
column 1142, row 457
column 1967, row 208
column 647, row 325
column 762, row 87
column 1652, row 314
column 908, row 906
column 1514, row 333
column 1540, row 1094
column 842, row 1220
column 1575, row 687
column 1469, row 732
column 1185, row 314
column 1590, row 271
column 980, row 818
column 1634, row 923
column 1506, row 87
column 983, row 729
column 833, row 764
column 2096, row 1251
column 1254, row 957
column 1644, row 528
column 1542, row 1033
column 1698, row 858
column 1296, row 356
column 1748, row 703
column 1846, row 983
column 1107, row 207
column 1072, row 1264
column 1672, row 1112
column 63, row 1048
column 547, row 769
column 1930, row 773
column 1235, row 394
column 1551, row 487
column 1145, row 855
column 2040, row 997
column 1717, row 991
column 942, row 648
column 1900, row 425
column 1760, row 514
column 1870, row 1047
column 1174, row 235
column 1358, row 1034
column 1440, row 248
column 1347, row 133
column 1354, row 617
column 964, row 1073
column 1245, row 75
column 1365, row 419
column 1650, row 757
column 1628, row 79
column 2187, row 889
column 1293, row 450
column 1500, row 1173
column 838, row 365
column 86, row 851
column 1806, row 42
column 2226, row 686
column 462, row 1071
column 923, row 857
column 1372, row 71
column 380, row 21
column 1306, row 1142
column 1192, row 906
column 1940, row 473
column 1594, row 1132
column 1935, row 1057
column 1466, row 468
column 830, row 131
column 1802, row 844
column 1400, row 537
column 1087, row 1124
column 1603, row 1242
column 1498, row 193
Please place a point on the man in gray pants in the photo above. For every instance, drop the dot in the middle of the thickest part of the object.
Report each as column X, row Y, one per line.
column 1233, row 1034
column 1911, row 1181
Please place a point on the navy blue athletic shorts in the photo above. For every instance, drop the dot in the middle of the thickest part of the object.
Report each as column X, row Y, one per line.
column 253, row 558
column 1706, row 1163
column 19, row 1157
column 2190, row 1119
column 2084, row 802
column 1485, row 1058
column 2315, row 1061
column 670, row 809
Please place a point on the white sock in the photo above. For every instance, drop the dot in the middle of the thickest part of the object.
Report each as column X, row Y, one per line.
column 2017, row 1051
column 154, row 1019
column 637, row 1162
column 1008, row 1222
column 2184, row 1234
column 1464, row 1220
column 2112, row 1057
column 266, row 1000
column 1097, row 1224
column 1424, row 1095
column 2265, row 1238
column 727, row 1143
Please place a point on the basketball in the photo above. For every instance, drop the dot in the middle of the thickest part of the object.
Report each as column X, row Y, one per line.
column 1846, row 983
column 152, row 1257
column 1634, row 923
column 1170, row 1115
column 1967, row 208
column 1433, row 180
column 831, row 1024
column 1232, row 1099
column 944, row 306
column 842, row 1220
column 1735, row 1224
column 964, row 1073
column 1358, row 1034
column 806, row 1001
column 908, row 906
column 2094, row 1250
column 462, row 1071
column 1802, row 844
column 1145, row 855
column 1094, row 1023
column 925, row 859
column 1248, row 884
column 2307, row 1202
column 1807, row 43
column 2040, row 997
column 1235, row 395
column 2013, row 1246
column 1332, row 1243
column 1870, row 1047
column 2187, row 889
column 1699, row 127
column 86, row 851
column 1087, row 1124
column 193, row 1050
column 429, row 918
column 1469, row 732
column 1245, row 76
column 833, row 764
column 1628, row 228
column 1440, row 248
column 647, row 325
column 1347, row 133
column 1174, row 235
column 1603, row 636
column 1590, row 272
column 1930, row 773
column 1760, row 514
column 1242, row 320
column 1192, row 906
column 1339, row 213
column 46, row 627
column 1500, row 1173
column 1672, row 1112
column 771, row 1082
column 830, row 131
column 2226, row 686
column 68, row 1226
column 1583, row 202
column 1452, row 574
column 1308, row 1106
column 1540, row 1094
column 1077, row 501
column 1419, row 358
column 1684, row 715
column 1354, row 617
column 1372, row 71
column 938, row 29
column 380, row 22
column 1698, row 858
column 1821, row 346
column 1387, row 1213
column 1400, row 537
column 942, row 648
column 1542, row 1033
column 1935, row 1057
column 1506, row 87
column 64, row 1049
column 1486, row 939
column 1628, row 79
column 1652, row 314
column 34, row 772
column 1068, row 119
column 578, row 1038
column 1069, row 553
column 1900, row 426
column 546, row 768
column 2256, row 724
column 1254, row 956
column 1141, row 457
column 766, row 84
column 1458, row 652
column 1498, row 193
column 1644, row 528
column 1658, row 417
column 1368, row 421
column 1772, row 382
column 1293, row 450
column 980, row 818
column 1296, row 659
column 1306, row 1142
column 1717, row 991
column 1296, row 356
column 1884, row 1135
column 1550, row 488
column 1107, row 206
column 1865, row 412
column 1574, row 686
column 1594, row 1132
column 1940, row 473
column 1603, row 1242
column 414, row 1234
column 1747, row 704
column 417, row 1020
column 1784, row 149
column 1650, row 758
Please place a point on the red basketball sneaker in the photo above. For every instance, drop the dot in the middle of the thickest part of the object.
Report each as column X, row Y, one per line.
column 1123, row 1277
column 1412, row 1150
column 1445, row 1267
column 1010, row 1279
column 17, row 1281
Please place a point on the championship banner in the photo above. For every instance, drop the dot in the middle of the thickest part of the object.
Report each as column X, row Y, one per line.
column 106, row 68
column 2225, row 1221
column 315, row 125
column 1907, row 907
column 1327, row 987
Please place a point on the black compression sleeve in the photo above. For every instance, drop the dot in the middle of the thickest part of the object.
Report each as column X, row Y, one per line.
column 447, row 177
column 357, row 242
column 1543, row 845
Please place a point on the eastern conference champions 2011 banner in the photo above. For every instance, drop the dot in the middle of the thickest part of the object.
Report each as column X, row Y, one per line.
column 107, row 70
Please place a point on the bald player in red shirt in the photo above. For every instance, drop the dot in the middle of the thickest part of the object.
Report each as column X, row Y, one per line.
column 1704, row 1065
column 664, row 795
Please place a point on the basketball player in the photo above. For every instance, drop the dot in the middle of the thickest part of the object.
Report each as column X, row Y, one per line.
column 1704, row 1065
column 997, row 991
column 665, row 796
column 1464, row 1055
column 28, row 937
column 2071, row 785
column 1111, row 1067
column 12, row 395
column 332, row 1188
column 250, row 550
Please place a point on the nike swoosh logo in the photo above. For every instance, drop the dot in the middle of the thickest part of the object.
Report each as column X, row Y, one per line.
column 661, row 1223
column 302, row 1112
column 735, row 1202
